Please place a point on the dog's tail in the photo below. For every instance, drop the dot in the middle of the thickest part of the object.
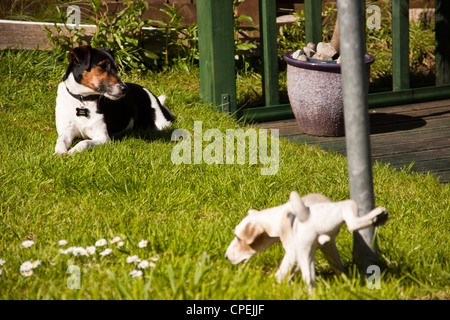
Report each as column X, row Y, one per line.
column 298, row 207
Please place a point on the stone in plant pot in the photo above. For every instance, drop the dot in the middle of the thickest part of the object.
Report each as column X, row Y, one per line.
column 315, row 95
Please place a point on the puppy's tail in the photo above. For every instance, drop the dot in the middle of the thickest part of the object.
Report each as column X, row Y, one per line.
column 298, row 207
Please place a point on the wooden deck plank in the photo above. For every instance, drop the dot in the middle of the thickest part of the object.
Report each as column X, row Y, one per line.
column 400, row 135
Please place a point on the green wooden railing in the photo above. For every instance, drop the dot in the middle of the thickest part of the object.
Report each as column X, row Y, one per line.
column 217, row 68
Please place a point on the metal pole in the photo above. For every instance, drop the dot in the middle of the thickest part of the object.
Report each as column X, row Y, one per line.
column 357, row 130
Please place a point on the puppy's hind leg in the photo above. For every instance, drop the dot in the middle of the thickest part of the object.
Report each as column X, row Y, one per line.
column 331, row 253
column 375, row 217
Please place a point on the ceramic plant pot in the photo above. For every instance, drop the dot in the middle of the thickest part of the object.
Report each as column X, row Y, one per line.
column 315, row 95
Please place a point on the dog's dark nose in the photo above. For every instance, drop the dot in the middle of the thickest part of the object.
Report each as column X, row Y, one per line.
column 123, row 87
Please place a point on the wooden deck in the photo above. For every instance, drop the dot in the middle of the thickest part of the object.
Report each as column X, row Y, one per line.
column 415, row 134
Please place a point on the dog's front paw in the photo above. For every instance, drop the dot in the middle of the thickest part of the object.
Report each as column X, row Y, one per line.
column 80, row 146
column 280, row 275
column 73, row 150
column 59, row 151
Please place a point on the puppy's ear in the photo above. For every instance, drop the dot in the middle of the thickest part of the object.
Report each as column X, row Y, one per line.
column 252, row 211
column 250, row 232
column 82, row 56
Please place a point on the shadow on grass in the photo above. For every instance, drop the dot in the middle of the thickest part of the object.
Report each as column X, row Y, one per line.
column 147, row 135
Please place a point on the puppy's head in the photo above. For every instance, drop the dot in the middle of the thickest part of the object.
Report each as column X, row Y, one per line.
column 251, row 238
column 96, row 69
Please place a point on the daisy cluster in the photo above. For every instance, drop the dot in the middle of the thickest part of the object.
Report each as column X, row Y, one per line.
column 90, row 250
column 27, row 267
column 141, row 265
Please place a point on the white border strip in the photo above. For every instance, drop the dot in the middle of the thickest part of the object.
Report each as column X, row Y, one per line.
column 59, row 24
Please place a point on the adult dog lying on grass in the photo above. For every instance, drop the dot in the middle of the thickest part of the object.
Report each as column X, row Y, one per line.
column 95, row 104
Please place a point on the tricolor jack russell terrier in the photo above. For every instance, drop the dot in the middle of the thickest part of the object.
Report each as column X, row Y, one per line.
column 303, row 229
column 93, row 103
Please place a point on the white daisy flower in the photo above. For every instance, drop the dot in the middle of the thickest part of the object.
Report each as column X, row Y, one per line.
column 70, row 249
column 142, row 244
column 120, row 244
column 1, row 272
column 143, row 265
column 35, row 263
column 131, row 259
column 106, row 252
column 62, row 242
column 27, row 243
column 90, row 250
column 79, row 251
column 27, row 273
column 115, row 239
column 2, row 262
column 26, row 266
column 62, row 251
column 154, row 258
column 101, row 243
column 136, row 273
column 152, row 265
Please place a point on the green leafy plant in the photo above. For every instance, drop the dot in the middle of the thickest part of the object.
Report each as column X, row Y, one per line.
column 180, row 42
column 123, row 33
column 244, row 46
column 292, row 36
column 66, row 37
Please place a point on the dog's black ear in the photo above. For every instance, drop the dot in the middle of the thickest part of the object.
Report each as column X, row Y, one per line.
column 109, row 51
column 82, row 56
column 68, row 71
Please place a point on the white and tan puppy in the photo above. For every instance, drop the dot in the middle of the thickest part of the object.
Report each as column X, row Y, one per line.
column 305, row 228
column 260, row 229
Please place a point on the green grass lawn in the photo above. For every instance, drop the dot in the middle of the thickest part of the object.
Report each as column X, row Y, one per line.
column 130, row 188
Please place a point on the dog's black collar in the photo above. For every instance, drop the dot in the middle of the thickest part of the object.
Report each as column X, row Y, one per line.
column 82, row 98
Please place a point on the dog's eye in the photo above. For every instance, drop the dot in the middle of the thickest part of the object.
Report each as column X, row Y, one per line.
column 104, row 66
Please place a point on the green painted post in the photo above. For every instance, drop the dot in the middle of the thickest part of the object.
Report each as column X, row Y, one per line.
column 313, row 20
column 400, row 44
column 442, row 42
column 216, row 50
column 268, row 29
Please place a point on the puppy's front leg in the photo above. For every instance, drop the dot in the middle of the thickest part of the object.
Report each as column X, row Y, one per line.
column 286, row 265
